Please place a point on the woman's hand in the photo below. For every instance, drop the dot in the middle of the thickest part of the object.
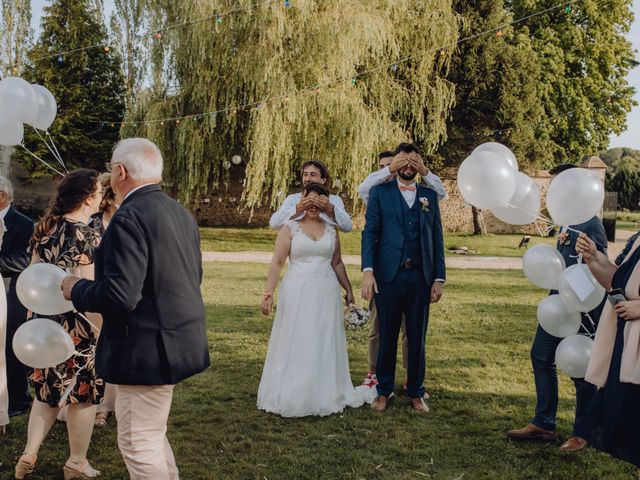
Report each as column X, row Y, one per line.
column 267, row 304
column 349, row 299
column 586, row 247
column 629, row 310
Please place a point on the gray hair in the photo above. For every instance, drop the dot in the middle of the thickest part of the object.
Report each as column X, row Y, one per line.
column 141, row 157
column 7, row 187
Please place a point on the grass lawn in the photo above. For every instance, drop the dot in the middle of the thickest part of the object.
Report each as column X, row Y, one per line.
column 478, row 373
column 262, row 239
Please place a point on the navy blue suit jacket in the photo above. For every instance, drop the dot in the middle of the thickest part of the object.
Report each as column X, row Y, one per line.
column 383, row 235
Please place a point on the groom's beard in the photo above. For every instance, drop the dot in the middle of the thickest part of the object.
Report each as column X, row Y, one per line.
column 407, row 173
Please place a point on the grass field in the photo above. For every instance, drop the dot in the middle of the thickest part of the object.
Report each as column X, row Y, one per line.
column 478, row 373
column 262, row 240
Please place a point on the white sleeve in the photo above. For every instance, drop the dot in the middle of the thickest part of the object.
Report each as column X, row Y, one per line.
column 374, row 179
column 342, row 217
column 433, row 181
column 284, row 213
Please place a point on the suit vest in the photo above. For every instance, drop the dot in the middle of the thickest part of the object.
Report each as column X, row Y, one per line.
column 412, row 248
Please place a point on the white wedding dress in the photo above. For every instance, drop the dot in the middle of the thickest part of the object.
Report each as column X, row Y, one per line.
column 307, row 369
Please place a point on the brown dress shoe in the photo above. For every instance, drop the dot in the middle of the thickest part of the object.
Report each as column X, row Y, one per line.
column 381, row 403
column 531, row 432
column 419, row 405
column 574, row 444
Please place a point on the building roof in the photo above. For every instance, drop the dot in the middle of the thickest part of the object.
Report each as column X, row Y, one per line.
column 593, row 162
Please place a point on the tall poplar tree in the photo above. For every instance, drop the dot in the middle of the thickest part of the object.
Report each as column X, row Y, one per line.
column 262, row 54
column 87, row 84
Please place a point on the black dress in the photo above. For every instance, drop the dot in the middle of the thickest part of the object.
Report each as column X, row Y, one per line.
column 615, row 410
column 70, row 245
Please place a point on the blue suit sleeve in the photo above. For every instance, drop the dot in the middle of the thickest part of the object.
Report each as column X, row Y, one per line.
column 371, row 232
column 438, row 244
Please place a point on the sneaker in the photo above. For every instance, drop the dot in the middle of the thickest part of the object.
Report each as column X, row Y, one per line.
column 370, row 380
column 426, row 394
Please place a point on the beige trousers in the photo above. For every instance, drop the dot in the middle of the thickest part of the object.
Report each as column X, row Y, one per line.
column 374, row 338
column 142, row 412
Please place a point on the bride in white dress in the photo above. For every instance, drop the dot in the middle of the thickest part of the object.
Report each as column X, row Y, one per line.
column 307, row 369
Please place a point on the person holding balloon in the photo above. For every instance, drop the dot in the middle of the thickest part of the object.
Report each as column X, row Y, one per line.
column 543, row 351
column 612, row 422
column 63, row 238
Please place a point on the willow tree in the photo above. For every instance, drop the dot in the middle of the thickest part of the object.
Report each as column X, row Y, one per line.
column 325, row 79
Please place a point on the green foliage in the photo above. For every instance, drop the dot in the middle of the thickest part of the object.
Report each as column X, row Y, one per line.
column 623, row 175
column 497, row 97
column 584, row 59
column 88, row 86
column 257, row 56
column 15, row 32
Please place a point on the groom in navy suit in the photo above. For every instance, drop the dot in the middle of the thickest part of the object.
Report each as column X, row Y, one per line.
column 403, row 264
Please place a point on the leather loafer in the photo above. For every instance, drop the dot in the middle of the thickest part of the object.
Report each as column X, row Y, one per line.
column 419, row 405
column 532, row 432
column 574, row 444
column 381, row 403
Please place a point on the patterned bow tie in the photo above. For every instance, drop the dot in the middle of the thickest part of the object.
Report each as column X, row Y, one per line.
column 409, row 188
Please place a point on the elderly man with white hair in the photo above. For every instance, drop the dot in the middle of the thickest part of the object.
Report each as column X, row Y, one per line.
column 148, row 272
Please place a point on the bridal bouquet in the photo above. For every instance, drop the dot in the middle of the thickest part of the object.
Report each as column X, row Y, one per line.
column 357, row 317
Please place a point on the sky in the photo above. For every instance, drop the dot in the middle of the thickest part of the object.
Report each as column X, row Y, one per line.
column 630, row 138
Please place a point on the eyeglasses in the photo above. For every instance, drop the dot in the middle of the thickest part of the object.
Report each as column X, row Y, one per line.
column 109, row 165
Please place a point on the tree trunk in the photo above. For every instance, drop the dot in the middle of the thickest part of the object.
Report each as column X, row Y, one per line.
column 479, row 228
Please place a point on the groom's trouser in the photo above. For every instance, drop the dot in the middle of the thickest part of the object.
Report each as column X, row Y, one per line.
column 374, row 337
column 543, row 353
column 407, row 294
column 142, row 412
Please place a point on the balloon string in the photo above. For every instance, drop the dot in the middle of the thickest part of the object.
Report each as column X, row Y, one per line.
column 88, row 321
column 55, row 155
column 541, row 217
column 56, row 149
column 41, row 160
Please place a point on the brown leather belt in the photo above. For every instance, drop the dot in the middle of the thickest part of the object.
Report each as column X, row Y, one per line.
column 408, row 264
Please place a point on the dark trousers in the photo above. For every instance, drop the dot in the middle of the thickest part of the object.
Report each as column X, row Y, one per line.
column 543, row 353
column 407, row 294
column 17, row 384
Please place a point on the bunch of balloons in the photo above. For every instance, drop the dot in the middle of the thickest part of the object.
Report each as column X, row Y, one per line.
column 23, row 103
column 560, row 314
column 489, row 179
column 41, row 342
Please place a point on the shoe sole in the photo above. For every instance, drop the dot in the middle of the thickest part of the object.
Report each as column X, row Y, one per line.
column 540, row 438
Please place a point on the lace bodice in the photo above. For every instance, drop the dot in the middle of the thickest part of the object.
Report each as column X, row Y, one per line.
column 308, row 255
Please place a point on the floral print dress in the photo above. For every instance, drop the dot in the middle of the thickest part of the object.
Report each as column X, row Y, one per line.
column 70, row 245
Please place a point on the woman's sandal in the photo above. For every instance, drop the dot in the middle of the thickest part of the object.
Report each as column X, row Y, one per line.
column 101, row 419
column 24, row 468
column 79, row 470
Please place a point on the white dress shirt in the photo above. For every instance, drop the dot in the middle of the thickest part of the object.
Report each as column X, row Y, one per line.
column 288, row 212
column 430, row 180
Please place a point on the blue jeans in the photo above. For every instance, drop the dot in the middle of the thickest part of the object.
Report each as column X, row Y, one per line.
column 543, row 352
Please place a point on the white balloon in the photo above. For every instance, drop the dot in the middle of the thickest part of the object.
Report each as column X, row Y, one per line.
column 38, row 289
column 572, row 355
column 557, row 319
column 236, row 159
column 486, row 180
column 574, row 197
column 18, row 100
column 42, row 343
column 11, row 131
column 524, row 206
column 500, row 150
column 570, row 297
column 543, row 266
column 47, row 108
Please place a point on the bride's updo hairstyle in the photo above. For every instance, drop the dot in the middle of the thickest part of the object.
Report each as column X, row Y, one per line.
column 316, row 187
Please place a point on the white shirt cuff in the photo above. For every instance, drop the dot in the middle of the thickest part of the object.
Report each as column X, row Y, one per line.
column 439, row 280
column 368, row 269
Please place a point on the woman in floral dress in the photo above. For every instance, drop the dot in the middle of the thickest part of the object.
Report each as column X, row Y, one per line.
column 64, row 238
